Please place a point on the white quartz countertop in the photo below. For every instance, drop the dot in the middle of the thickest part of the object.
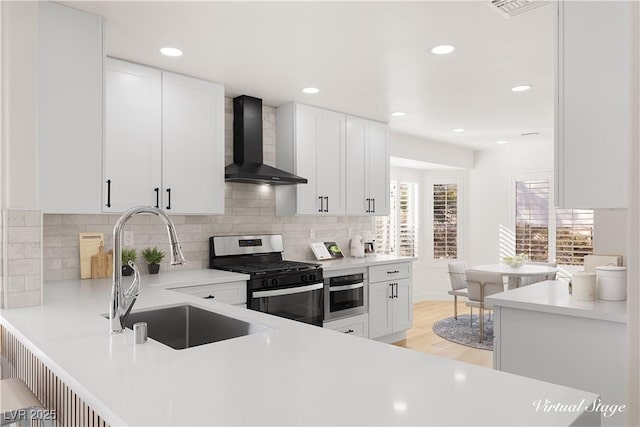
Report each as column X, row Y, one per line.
column 182, row 278
column 290, row 374
column 367, row 261
column 553, row 297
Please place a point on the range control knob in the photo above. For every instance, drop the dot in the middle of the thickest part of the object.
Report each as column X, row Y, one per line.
column 274, row 282
column 264, row 283
column 312, row 277
column 303, row 278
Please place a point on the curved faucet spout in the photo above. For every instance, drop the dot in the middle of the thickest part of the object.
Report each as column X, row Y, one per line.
column 122, row 301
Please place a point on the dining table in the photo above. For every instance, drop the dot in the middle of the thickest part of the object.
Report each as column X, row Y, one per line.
column 525, row 270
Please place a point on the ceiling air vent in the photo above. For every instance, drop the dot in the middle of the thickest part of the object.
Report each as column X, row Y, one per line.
column 511, row 8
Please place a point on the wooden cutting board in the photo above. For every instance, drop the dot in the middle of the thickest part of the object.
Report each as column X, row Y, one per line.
column 101, row 264
column 89, row 244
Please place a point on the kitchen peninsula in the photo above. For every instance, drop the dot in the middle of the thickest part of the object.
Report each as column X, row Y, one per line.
column 541, row 332
column 289, row 374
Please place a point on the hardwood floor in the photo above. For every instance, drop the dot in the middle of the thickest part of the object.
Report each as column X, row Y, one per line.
column 422, row 338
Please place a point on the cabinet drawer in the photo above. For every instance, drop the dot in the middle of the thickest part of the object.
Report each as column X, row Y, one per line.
column 399, row 270
column 356, row 325
column 229, row 293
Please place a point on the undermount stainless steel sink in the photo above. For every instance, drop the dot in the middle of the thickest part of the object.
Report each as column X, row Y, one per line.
column 186, row 326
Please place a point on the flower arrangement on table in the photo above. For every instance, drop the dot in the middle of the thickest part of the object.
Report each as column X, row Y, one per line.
column 515, row 261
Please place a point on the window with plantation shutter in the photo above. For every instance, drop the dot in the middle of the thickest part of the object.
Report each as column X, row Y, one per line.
column 574, row 235
column 546, row 234
column 445, row 221
column 532, row 219
column 397, row 234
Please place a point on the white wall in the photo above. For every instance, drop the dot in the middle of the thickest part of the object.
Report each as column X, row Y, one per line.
column 430, row 277
column 409, row 147
column 490, row 193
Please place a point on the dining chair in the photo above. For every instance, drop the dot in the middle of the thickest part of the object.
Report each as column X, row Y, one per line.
column 530, row 280
column 458, row 284
column 481, row 284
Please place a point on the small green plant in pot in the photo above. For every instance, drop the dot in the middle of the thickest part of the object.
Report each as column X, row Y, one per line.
column 153, row 257
column 128, row 255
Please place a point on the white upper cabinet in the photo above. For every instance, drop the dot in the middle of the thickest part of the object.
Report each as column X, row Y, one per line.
column 164, row 141
column 132, row 150
column 192, row 145
column 70, row 60
column 593, row 108
column 311, row 144
column 367, row 153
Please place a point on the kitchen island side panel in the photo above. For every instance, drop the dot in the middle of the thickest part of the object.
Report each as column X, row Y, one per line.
column 589, row 354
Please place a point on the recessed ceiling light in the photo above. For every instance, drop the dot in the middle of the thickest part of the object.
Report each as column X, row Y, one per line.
column 443, row 49
column 458, row 130
column 502, row 142
column 521, row 88
column 311, row 90
column 398, row 114
column 171, row 51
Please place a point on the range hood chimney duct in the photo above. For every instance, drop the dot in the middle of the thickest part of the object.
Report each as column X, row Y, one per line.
column 248, row 159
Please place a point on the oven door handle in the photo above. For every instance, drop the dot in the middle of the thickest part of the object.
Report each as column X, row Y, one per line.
column 288, row 291
column 346, row 287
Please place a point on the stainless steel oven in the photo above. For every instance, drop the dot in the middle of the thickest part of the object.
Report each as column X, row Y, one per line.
column 301, row 303
column 345, row 296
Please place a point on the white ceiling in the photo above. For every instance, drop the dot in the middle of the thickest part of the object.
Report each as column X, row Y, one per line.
column 367, row 58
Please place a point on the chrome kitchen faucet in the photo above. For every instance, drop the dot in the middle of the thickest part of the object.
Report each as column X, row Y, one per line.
column 122, row 301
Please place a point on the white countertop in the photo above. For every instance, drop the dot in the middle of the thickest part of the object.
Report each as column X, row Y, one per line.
column 367, row 261
column 553, row 296
column 291, row 374
column 182, row 278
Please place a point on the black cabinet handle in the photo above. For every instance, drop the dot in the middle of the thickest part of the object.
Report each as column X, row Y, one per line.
column 108, row 193
column 326, row 208
column 374, row 206
column 209, row 297
column 368, row 205
column 169, row 200
column 391, row 284
column 396, row 294
column 157, row 190
column 321, row 204
column 393, row 272
column 350, row 331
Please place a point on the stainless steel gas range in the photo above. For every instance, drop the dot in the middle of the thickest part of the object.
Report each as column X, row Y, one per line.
column 283, row 288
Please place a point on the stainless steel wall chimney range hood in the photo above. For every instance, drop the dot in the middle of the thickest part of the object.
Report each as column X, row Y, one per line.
column 247, row 163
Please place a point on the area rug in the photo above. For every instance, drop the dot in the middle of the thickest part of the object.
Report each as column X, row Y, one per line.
column 460, row 332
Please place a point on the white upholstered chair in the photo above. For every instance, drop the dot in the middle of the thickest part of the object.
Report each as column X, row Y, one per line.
column 481, row 284
column 458, row 283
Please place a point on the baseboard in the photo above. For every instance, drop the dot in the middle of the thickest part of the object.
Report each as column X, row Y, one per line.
column 390, row 339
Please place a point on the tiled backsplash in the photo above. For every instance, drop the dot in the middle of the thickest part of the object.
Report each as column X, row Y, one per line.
column 249, row 209
column 24, row 258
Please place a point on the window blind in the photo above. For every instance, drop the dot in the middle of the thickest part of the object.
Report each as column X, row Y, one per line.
column 574, row 235
column 397, row 234
column 445, row 221
column 532, row 220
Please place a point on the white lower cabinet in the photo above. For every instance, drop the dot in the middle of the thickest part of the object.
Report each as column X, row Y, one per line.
column 355, row 325
column 390, row 307
column 229, row 293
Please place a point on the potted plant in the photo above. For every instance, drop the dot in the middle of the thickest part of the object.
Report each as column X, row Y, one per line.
column 128, row 255
column 153, row 257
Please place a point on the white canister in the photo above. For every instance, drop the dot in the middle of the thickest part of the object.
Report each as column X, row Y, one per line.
column 583, row 286
column 612, row 283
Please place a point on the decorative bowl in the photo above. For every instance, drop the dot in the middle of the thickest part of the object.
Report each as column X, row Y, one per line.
column 514, row 261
